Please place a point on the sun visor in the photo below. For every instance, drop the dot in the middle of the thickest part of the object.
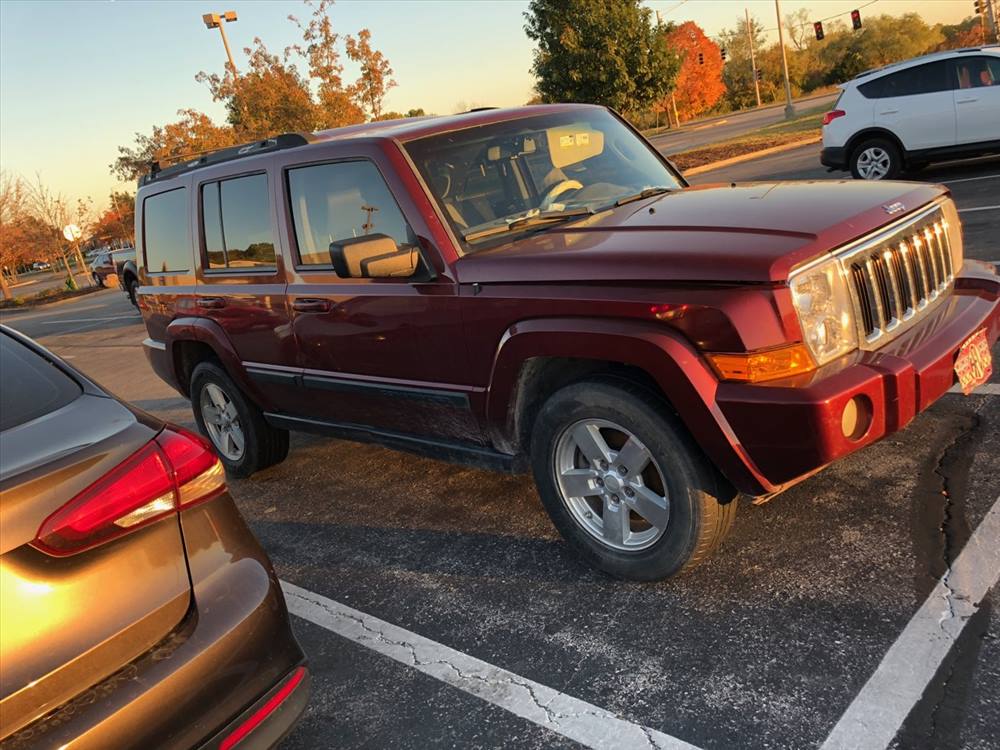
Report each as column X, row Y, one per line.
column 572, row 144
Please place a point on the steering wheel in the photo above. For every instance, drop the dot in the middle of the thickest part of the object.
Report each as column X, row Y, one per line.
column 555, row 191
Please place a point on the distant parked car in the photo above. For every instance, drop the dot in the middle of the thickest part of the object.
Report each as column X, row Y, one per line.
column 109, row 263
column 41, row 265
column 136, row 607
column 941, row 106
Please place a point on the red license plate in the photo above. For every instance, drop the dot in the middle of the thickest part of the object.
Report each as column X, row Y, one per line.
column 974, row 363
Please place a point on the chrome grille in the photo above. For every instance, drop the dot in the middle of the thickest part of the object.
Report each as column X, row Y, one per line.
column 898, row 274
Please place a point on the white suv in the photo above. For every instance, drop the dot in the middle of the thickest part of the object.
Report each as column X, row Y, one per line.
column 941, row 106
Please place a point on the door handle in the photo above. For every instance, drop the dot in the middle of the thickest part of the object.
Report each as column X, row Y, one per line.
column 210, row 303
column 306, row 305
column 889, row 111
column 966, row 101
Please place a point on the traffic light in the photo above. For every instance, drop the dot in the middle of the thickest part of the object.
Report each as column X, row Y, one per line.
column 818, row 28
column 722, row 51
column 979, row 7
column 701, row 58
column 856, row 19
column 759, row 74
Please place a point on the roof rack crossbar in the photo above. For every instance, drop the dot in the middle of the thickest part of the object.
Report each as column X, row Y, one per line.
column 196, row 160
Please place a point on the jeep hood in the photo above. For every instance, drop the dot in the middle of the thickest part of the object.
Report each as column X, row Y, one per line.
column 749, row 233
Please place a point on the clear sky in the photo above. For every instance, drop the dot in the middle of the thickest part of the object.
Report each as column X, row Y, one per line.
column 77, row 79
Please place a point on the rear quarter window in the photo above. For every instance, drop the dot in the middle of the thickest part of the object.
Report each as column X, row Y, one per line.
column 32, row 386
column 166, row 232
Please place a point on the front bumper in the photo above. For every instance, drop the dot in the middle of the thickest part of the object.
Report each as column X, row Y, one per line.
column 834, row 157
column 790, row 429
column 230, row 655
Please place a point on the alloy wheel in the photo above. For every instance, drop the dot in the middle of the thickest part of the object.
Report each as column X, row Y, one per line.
column 611, row 484
column 874, row 163
column 222, row 422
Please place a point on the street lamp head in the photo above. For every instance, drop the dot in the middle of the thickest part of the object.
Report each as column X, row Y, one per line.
column 229, row 15
column 211, row 20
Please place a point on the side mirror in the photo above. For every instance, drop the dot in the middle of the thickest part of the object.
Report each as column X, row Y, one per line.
column 373, row 256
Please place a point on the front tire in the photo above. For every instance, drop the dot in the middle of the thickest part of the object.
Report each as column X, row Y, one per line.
column 876, row 159
column 625, row 484
column 245, row 442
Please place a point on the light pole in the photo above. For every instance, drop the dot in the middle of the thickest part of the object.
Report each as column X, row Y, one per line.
column 214, row 21
column 789, row 109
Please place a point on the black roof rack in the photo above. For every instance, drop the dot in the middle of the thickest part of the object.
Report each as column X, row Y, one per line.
column 197, row 161
column 479, row 109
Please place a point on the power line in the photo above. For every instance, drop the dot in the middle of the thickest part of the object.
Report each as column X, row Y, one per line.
column 828, row 18
column 671, row 10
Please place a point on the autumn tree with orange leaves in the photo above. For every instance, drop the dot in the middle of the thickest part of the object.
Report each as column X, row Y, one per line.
column 299, row 89
column 699, row 86
column 376, row 73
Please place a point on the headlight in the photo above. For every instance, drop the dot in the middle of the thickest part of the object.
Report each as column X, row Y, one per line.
column 953, row 227
column 826, row 313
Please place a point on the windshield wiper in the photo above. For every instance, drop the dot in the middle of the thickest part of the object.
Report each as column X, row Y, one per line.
column 647, row 193
column 531, row 220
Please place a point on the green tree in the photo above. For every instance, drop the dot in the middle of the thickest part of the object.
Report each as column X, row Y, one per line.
column 882, row 40
column 606, row 52
column 737, row 74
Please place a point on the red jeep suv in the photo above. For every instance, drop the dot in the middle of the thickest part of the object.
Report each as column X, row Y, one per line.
column 538, row 287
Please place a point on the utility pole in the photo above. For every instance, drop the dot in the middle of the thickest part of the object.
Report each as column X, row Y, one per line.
column 673, row 104
column 753, row 59
column 789, row 107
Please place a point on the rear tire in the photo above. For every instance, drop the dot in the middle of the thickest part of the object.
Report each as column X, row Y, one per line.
column 876, row 159
column 131, row 288
column 668, row 469
column 98, row 280
column 221, row 409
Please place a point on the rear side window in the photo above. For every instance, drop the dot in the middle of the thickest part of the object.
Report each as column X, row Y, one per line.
column 920, row 79
column 976, row 72
column 236, row 223
column 32, row 386
column 336, row 202
column 166, row 231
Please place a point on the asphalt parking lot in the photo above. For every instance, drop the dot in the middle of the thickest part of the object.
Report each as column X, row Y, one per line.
column 441, row 609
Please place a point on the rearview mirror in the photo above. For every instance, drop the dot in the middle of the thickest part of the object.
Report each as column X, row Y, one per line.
column 373, row 256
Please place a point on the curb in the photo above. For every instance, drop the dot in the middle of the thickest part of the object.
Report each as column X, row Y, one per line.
column 750, row 156
column 693, row 124
column 32, row 307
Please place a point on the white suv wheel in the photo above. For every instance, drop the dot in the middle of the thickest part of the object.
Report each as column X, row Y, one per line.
column 876, row 159
column 873, row 163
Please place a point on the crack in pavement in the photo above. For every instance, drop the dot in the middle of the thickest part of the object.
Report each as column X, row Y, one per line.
column 415, row 660
column 578, row 720
column 947, row 531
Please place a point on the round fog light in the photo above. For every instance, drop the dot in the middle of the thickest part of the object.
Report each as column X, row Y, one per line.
column 856, row 417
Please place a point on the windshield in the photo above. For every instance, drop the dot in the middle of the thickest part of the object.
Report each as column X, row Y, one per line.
column 536, row 172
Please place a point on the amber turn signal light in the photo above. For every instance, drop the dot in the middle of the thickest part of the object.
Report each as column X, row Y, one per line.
column 762, row 365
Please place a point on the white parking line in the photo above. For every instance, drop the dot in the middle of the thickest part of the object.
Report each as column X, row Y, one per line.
column 971, row 179
column 879, row 710
column 579, row 721
column 978, row 208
